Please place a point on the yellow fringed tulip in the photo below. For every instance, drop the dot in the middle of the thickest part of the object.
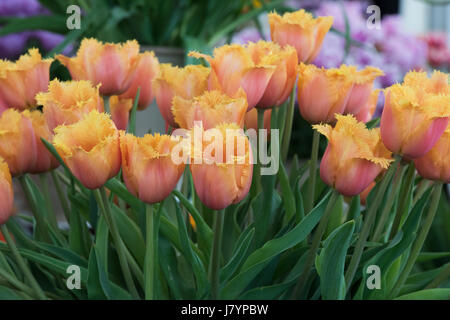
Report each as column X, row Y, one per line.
column 6, row 192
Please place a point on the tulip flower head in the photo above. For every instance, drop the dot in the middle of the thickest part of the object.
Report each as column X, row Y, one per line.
column 18, row 145
column 211, row 108
column 148, row 170
column 322, row 93
column 300, row 30
column 435, row 164
column 415, row 114
column 221, row 165
column 113, row 65
column 147, row 69
column 6, row 192
column 365, row 114
column 251, row 120
column 120, row 111
column 68, row 102
column 354, row 157
column 90, row 148
column 20, row 81
column 187, row 82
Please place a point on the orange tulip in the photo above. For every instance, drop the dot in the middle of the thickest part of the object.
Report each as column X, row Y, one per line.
column 323, row 92
column 44, row 159
column 6, row 192
column 415, row 115
column 147, row 69
column 222, row 176
column 20, row 81
column 285, row 75
column 211, row 108
column 187, row 82
column 236, row 66
column 362, row 89
column 90, row 148
column 354, row 157
column 300, row 30
column 112, row 65
column 148, row 170
column 435, row 164
column 17, row 142
column 367, row 111
column 120, row 111
column 251, row 120
column 68, row 102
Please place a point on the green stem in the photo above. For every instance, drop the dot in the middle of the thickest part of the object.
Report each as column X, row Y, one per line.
column 288, row 126
column 406, row 189
column 423, row 186
column 16, row 283
column 106, row 104
column 61, row 195
column 214, row 266
column 387, row 208
column 420, row 240
column 151, row 252
column 442, row 277
column 21, row 263
column 318, row 234
column 309, row 203
column 368, row 221
column 103, row 203
column 256, row 187
column 51, row 213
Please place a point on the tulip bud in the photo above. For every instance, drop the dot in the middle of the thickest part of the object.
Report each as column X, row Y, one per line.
column 300, row 30
column 20, row 81
column 113, row 65
column 147, row 69
column 221, row 165
column 68, row 102
column 148, row 170
column 90, row 148
column 120, row 111
column 323, row 92
column 187, row 82
column 435, row 164
column 6, row 193
column 17, row 142
column 354, row 157
column 211, row 108
column 415, row 115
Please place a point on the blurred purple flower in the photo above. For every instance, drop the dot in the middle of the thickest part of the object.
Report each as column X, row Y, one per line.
column 21, row 8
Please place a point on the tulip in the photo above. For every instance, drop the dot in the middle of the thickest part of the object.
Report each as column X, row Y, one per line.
column 365, row 193
column 112, row 65
column 354, row 157
column 44, row 159
column 236, row 66
column 20, row 81
column 436, row 84
column 367, row 111
column 435, row 164
column 362, row 89
column 120, row 111
column 187, row 82
column 6, row 192
column 211, row 108
column 68, row 102
column 251, row 119
column 90, row 148
column 148, row 170
column 17, row 142
column 300, row 30
column 223, row 175
column 415, row 115
column 323, row 92
column 147, row 69
column 284, row 76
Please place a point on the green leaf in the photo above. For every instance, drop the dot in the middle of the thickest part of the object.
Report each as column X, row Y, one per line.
column 53, row 23
column 429, row 294
column 9, row 294
column 286, row 193
column 94, row 287
column 331, row 262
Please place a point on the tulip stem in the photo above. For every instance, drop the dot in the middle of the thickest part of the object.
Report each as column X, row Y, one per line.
column 21, row 263
column 256, row 185
column 151, row 252
column 318, row 234
column 61, row 195
column 51, row 213
column 103, row 202
column 288, row 126
column 106, row 104
column 404, row 198
column 214, row 266
column 309, row 205
column 368, row 222
column 420, row 240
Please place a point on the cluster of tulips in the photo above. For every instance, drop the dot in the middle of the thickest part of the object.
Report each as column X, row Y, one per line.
column 88, row 125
